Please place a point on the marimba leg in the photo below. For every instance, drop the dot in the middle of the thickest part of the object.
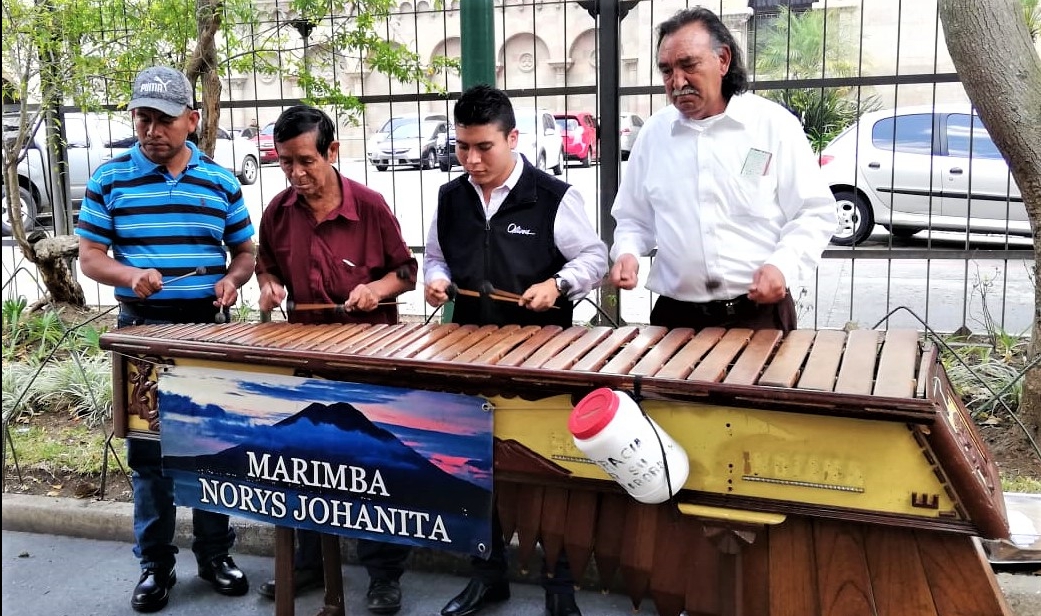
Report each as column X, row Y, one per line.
column 333, row 576
column 284, row 571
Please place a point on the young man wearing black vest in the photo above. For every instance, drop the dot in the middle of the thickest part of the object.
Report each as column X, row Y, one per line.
column 508, row 226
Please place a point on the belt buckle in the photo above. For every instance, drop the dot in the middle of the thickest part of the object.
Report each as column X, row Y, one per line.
column 730, row 306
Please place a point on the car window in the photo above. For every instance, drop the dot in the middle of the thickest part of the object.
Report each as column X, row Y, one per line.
column 76, row 133
column 548, row 123
column 637, row 121
column 966, row 136
column 911, row 133
column 567, row 123
column 222, row 134
column 116, row 134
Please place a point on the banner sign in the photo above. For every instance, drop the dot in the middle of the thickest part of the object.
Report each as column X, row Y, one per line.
column 383, row 463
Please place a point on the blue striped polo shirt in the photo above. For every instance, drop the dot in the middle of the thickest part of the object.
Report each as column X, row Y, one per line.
column 175, row 225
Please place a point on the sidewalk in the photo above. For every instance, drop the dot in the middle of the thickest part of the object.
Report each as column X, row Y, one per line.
column 111, row 521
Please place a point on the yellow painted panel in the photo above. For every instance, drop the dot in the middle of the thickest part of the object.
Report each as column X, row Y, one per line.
column 860, row 464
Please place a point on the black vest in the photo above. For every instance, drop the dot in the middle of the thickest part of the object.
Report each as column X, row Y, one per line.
column 512, row 251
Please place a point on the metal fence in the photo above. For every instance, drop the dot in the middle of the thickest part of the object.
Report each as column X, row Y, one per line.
column 600, row 58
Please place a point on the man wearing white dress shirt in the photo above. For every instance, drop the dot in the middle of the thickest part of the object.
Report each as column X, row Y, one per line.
column 725, row 184
column 508, row 226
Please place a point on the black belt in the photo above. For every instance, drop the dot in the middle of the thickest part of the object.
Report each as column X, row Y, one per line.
column 174, row 311
column 723, row 308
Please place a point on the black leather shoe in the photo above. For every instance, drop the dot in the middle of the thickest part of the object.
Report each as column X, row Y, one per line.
column 474, row 597
column 153, row 590
column 303, row 581
column 225, row 576
column 384, row 597
column 561, row 604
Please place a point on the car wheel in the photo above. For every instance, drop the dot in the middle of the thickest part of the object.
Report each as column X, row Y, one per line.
column 903, row 232
column 559, row 168
column 381, row 167
column 250, row 171
column 431, row 160
column 855, row 219
column 444, row 165
column 625, row 154
column 541, row 163
column 584, row 161
column 28, row 210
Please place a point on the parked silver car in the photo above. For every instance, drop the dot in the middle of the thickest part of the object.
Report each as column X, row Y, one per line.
column 629, row 125
column 92, row 139
column 922, row 167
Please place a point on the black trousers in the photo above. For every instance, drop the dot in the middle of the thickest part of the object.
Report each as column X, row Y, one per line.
column 673, row 313
column 495, row 568
column 383, row 561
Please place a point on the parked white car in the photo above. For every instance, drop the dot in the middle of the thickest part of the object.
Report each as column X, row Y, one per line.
column 373, row 146
column 539, row 138
column 94, row 138
column 629, row 125
column 412, row 145
column 917, row 168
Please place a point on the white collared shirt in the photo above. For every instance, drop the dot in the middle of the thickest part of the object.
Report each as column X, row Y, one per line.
column 721, row 197
column 573, row 234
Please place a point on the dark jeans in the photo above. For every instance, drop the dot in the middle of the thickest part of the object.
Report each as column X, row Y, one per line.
column 384, row 561
column 154, row 510
column 494, row 569
column 155, row 514
column 673, row 313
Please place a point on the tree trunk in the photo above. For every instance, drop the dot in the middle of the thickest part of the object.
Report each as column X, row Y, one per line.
column 1000, row 69
column 52, row 257
column 203, row 67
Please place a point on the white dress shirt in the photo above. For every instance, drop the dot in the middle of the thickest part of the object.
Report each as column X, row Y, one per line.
column 573, row 234
column 721, row 197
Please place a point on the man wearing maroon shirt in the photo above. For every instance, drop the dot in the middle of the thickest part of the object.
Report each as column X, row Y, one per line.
column 329, row 240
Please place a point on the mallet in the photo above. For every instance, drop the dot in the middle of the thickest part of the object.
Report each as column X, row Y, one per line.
column 199, row 271
column 292, row 306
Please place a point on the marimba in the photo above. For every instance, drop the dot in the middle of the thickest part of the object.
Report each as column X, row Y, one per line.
column 830, row 472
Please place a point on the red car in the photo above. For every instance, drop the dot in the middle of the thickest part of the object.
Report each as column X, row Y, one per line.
column 266, row 144
column 580, row 132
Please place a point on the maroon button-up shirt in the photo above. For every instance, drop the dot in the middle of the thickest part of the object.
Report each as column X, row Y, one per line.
column 321, row 262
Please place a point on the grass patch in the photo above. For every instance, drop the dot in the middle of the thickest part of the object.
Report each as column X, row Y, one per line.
column 72, row 448
column 1030, row 485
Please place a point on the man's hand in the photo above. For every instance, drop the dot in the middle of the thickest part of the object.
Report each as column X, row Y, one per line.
column 541, row 296
column 272, row 294
column 146, row 282
column 227, row 293
column 436, row 292
column 625, row 271
column 768, row 285
column 361, row 299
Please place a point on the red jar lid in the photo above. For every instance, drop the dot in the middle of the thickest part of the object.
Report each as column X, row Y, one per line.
column 593, row 413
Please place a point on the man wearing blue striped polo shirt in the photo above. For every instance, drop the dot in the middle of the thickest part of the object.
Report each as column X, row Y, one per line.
column 166, row 210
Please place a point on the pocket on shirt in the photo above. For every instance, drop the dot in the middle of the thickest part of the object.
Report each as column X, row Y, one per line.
column 752, row 196
column 345, row 278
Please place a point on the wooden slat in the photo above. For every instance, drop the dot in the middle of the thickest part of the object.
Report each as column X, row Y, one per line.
column 576, row 350
column 843, row 583
column 552, row 347
column 668, row 575
column 428, row 338
column 448, row 351
column 641, row 523
column 554, row 523
column 605, row 350
column 823, row 363
column 478, row 349
column 897, row 576
column 392, row 339
column 896, row 366
column 358, row 330
column 624, row 361
column 529, row 518
column 857, row 371
column 787, row 363
column 683, row 362
column 960, row 578
column 714, row 367
column 662, row 351
column 749, row 366
column 408, row 338
column 506, row 345
column 924, row 364
column 532, row 345
column 580, row 530
column 363, row 346
column 793, row 579
column 309, row 336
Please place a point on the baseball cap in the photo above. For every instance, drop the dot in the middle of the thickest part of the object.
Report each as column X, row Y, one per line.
column 162, row 88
